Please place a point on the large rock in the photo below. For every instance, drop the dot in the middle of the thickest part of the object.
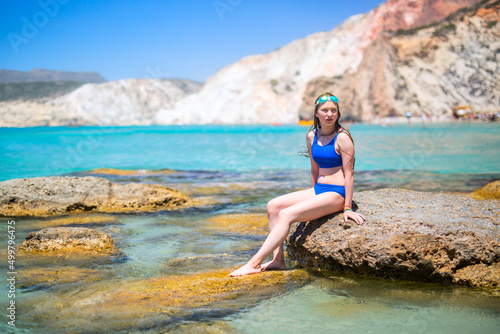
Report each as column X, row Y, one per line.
column 42, row 196
column 407, row 235
column 56, row 238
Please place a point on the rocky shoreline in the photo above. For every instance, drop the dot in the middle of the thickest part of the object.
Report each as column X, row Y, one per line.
column 46, row 196
column 435, row 237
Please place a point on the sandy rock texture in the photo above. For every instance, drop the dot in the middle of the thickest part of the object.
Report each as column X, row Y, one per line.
column 44, row 196
column 407, row 235
column 56, row 238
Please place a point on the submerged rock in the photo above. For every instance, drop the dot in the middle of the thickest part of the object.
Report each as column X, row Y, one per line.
column 407, row 235
column 489, row 191
column 161, row 302
column 43, row 196
column 78, row 219
column 42, row 278
column 242, row 223
column 56, row 238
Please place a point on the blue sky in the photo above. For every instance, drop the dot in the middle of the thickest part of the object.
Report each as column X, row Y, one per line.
column 151, row 38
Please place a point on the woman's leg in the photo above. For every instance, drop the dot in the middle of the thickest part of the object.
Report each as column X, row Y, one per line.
column 309, row 209
column 273, row 209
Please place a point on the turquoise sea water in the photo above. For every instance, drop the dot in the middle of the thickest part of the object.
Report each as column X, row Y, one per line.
column 236, row 170
column 383, row 154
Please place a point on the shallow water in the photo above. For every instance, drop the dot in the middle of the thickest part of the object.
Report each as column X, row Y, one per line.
column 171, row 271
column 339, row 304
column 173, row 245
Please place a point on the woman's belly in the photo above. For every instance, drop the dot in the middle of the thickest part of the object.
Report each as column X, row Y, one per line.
column 333, row 175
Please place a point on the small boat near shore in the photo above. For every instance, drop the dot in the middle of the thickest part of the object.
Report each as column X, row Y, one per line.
column 306, row 123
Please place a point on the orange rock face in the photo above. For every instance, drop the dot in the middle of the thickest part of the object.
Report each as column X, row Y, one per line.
column 421, row 70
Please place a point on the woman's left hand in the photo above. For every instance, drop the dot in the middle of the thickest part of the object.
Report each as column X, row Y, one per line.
column 357, row 217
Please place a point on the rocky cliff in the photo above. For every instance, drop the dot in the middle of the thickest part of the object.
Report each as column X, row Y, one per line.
column 123, row 102
column 418, row 56
column 274, row 87
column 423, row 71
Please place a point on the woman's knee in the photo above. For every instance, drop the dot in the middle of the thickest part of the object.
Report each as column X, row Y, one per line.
column 273, row 207
column 286, row 216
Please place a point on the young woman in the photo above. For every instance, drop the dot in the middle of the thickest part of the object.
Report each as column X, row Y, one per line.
column 331, row 151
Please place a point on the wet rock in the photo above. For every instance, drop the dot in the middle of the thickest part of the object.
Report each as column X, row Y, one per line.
column 489, row 191
column 161, row 302
column 479, row 275
column 43, row 196
column 243, row 223
column 407, row 235
column 75, row 257
column 42, row 278
column 57, row 238
column 74, row 220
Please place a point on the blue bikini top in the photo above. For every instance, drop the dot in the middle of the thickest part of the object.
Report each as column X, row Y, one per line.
column 325, row 156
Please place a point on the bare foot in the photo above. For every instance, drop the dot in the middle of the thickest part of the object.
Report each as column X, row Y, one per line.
column 246, row 270
column 274, row 265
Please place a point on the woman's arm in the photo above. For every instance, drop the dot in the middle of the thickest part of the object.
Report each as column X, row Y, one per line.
column 314, row 164
column 346, row 148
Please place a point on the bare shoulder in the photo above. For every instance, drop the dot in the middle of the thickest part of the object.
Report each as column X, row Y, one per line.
column 344, row 139
column 310, row 136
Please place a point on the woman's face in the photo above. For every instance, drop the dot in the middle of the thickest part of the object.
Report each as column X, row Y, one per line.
column 327, row 113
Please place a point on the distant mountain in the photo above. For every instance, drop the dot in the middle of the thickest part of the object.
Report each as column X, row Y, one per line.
column 122, row 102
column 48, row 75
column 40, row 90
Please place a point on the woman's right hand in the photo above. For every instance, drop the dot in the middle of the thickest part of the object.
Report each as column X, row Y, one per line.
column 357, row 217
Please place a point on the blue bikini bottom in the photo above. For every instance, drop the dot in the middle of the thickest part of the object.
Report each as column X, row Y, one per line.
column 320, row 188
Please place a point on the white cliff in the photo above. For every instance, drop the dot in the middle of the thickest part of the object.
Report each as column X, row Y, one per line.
column 123, row 102
column 270, row 88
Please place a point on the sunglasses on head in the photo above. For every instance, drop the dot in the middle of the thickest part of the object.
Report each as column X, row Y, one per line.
column 327, row 98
